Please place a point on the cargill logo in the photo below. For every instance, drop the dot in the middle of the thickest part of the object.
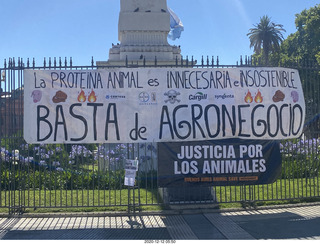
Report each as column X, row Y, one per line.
column 198, row 96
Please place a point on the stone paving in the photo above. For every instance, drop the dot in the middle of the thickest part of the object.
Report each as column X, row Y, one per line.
column 301, row 222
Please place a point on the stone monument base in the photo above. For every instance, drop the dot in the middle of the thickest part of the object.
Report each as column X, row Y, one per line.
column 190, row 196
column 141, row 63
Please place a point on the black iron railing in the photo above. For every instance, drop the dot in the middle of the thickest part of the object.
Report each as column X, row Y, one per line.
column 91, row 176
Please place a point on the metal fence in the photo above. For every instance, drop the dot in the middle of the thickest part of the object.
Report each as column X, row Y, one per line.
column 91, row 176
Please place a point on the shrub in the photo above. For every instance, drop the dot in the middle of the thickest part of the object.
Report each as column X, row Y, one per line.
column 300, row 158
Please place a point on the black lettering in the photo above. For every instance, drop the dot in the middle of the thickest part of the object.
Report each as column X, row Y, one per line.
column 54, row 77
column 136, row 132
column 241, row 121
column 99, row 80
column 181, row 123
column 184, row 76
column 62, row 77
column 153, row 82
column 195, row 120
column 112, row 109
column 227, row 80
column 205, row 78
column 219, row 76
column 43, row 119
column 35, row 80
column 95, row 108
column 165, row 113
column 70, row 80
column 281, row 119
column 190, row 82
column 293, row 119
column 232, row 120
column 81, row 118
column 259, row 123
column 251, row 78
column 273, row 119
column 59, row 110
column 42, row 83
column 111, row 82
column 206, row 119
column 119, row 79
column 82, row 79
column 292, row 80
column 243, row 78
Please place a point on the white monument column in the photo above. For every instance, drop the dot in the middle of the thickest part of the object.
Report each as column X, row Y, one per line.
column 142, row 31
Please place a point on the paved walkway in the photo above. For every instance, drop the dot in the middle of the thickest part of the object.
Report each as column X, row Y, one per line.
column 300, row 222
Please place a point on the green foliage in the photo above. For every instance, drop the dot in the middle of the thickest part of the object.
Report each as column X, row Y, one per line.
column 301, row 158
column 71, row 167
column 58, row 156
column 60, row 180
column 304, row 44
column 297, row 169
column 71, row 180
column 298, row 47
column 266, row 36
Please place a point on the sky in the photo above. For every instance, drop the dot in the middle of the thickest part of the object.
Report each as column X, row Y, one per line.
column 84, row 29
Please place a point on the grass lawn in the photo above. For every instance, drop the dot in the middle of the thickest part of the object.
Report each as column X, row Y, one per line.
column 280, row 192
column 81, row 200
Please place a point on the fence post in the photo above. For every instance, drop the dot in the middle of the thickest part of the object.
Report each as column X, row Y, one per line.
column 128, row 199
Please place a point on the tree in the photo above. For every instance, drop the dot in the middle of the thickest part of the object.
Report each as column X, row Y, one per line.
column 304, row 44
column 302, row 51
column 266, row 36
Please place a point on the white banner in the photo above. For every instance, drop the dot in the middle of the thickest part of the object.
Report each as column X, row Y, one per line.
column 123, row 105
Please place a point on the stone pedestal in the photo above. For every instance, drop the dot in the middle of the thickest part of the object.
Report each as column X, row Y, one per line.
column 188, row 195
column 142, row 31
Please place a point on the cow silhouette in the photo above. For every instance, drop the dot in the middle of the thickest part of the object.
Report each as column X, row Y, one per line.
column 37, row 95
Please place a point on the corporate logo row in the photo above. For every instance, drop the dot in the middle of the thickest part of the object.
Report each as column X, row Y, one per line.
column 172, row 97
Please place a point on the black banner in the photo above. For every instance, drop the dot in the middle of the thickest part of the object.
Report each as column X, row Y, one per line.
column 218, row 163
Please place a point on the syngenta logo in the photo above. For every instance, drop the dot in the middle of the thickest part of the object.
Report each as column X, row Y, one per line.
column 224, row 96
column 198, row 96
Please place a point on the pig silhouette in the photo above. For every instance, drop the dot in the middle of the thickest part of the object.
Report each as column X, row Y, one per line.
column 37, row 95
